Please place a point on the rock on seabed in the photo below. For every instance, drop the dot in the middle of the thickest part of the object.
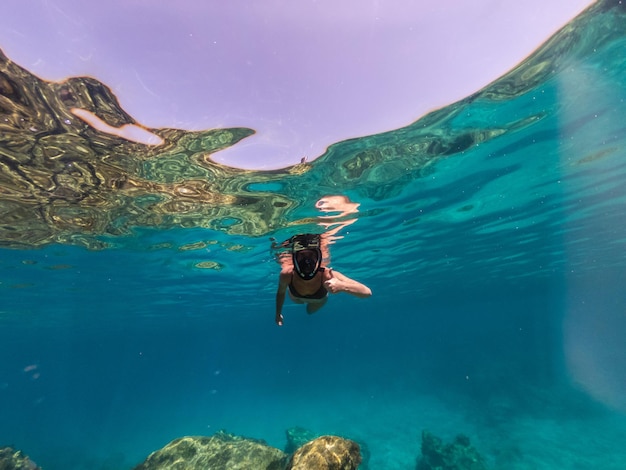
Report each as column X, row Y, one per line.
column 326, row 453
column 224, row 451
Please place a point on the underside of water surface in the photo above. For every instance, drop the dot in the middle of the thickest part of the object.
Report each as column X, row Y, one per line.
column 138, row 280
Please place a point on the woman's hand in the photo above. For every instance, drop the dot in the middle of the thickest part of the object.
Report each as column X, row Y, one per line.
column 333, row 285
column 340, row 283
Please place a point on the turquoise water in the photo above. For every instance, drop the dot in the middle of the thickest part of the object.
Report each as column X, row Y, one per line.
column 491, row 232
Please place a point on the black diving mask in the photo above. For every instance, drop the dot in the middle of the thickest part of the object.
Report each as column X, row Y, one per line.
column 307, row 257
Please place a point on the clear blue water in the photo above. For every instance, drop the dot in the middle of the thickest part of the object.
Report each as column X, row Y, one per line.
column 492, row 234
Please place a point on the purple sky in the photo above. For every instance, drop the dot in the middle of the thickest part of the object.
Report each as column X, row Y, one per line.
column 304, row 74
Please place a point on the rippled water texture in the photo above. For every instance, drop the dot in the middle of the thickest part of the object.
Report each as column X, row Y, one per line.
column 61, row 180
column 491, row 231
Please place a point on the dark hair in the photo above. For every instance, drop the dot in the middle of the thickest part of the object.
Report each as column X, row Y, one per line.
column 304, row 241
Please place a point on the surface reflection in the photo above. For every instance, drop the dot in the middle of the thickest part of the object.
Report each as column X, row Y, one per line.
column 74, row 165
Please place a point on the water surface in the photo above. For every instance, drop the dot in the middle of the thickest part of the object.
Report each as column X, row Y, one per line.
column 138, row 281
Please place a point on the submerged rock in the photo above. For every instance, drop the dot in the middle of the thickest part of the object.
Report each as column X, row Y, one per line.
column 11, row 459
column 299, row 436
column 326, row 453
column 459, row 455
column 222, row 451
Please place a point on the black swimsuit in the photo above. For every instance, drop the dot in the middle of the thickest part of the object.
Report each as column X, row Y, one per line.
column 321, row 293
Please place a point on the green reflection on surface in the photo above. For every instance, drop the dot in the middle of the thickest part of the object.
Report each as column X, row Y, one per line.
column 64, row 181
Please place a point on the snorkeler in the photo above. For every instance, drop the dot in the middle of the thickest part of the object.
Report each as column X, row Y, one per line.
column 306, row 277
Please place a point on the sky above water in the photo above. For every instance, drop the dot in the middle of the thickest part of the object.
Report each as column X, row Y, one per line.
column 303, row 74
